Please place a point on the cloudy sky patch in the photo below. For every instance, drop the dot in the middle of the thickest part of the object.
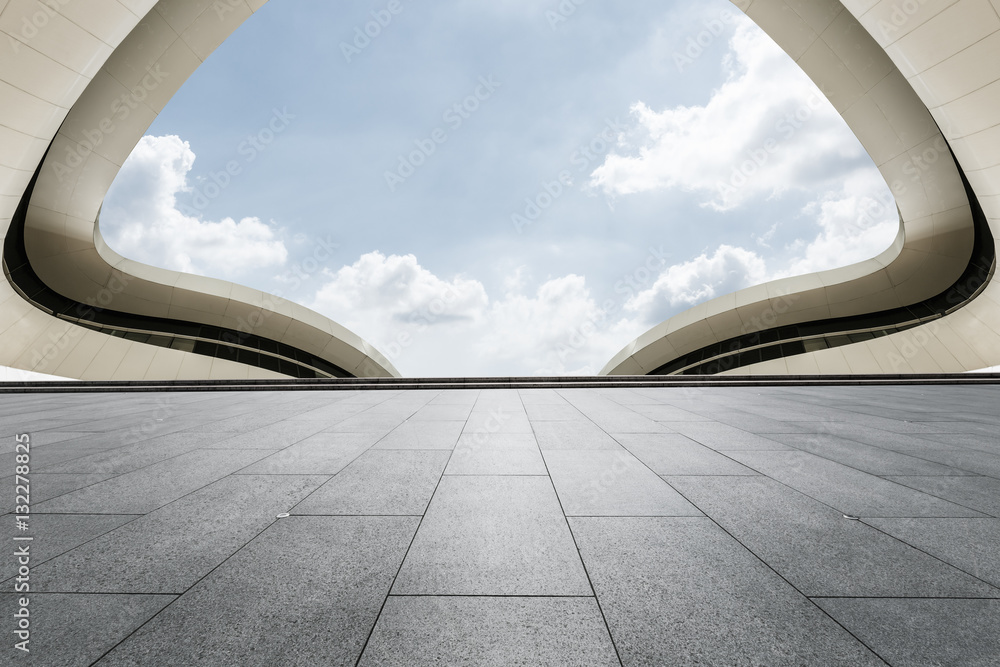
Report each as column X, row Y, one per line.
column 610, row 176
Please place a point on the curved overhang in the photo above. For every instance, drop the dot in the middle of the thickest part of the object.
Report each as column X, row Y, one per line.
column 85, row 82
column 919, row 84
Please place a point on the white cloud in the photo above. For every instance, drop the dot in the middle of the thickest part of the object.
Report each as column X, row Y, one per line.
column 558, row 330
column 145, row 224
column 429, row 325
column 856, row 223
column 689, row 283
column 766, row 129
column 384, row 290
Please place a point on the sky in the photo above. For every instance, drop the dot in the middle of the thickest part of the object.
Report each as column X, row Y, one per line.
column 502, row 188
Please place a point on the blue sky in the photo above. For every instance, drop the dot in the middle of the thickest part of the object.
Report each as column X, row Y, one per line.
column 602, row 171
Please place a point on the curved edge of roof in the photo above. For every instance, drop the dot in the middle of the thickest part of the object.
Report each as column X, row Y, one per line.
column 927, row 304
column 81, row 101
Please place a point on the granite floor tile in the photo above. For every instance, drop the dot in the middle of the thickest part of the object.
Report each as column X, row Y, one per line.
column 69, row 630
column 553, row 412
column 45, row 486
column 971, row 545
column 680, row 591
column 493, row 536
column 848, row 490
column 753, row 423
column 436, row 412
column 970, row 460
column 723, row 437
column 329, row 415
column 496, row 454
column 321, row 454
column 263, row 607
column 55, row 534
column 625, row 421
column 154, row 486
column 868, row 458
column 498, row 419
column 978, row 493
column 380, row 482
column 675, row 454
column 418, row 631
column 604, row 483
column 984, row 428
column 456, row 397
column 380, row 423
column 417, row 434
column 923, row 633
column 273, row 436
column 133, row 457
column 573, row 435
column 242, row 423
column 668, row 413
column 989, row 443
column 38, row 438
column 540, row 397
column 170, row 549
column 61, row 452
column 816, row 549
column 898, row 442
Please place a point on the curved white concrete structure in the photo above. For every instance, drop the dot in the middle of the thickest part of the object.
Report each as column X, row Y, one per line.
column 79, row 85
column 916, row 81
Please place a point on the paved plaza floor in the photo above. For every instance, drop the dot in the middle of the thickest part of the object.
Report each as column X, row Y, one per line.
column 793, row 525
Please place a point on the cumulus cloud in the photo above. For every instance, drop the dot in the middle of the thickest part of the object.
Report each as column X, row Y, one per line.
column 765, row 130
column 856, row 223
column 383, row 290
column 145, row 223
column 689, row 283
column 430, row 325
